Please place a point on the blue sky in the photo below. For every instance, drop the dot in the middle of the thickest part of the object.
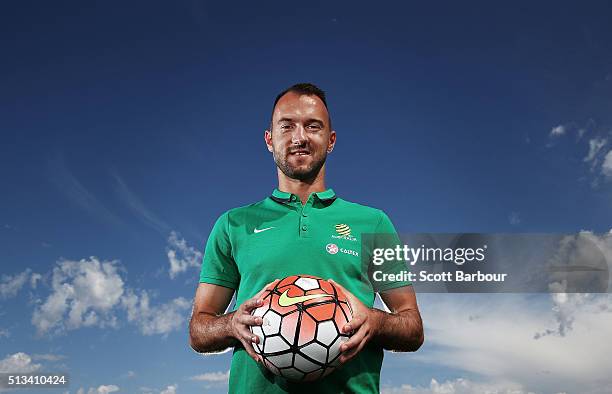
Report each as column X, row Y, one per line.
column 127, row 130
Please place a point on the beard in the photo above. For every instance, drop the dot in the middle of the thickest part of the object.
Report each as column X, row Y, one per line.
column 303, row 172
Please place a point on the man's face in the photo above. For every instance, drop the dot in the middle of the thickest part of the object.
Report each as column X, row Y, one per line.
column 300, row 135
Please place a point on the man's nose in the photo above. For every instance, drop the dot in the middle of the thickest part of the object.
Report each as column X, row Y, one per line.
column 299, row 135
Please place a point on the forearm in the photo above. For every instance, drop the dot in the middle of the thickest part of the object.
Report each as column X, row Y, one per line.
column 400, row 331
column 210, row 333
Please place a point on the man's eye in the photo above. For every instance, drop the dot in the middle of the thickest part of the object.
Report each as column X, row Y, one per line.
column 314, row 127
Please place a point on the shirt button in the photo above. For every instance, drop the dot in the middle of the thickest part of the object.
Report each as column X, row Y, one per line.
column 304, row 228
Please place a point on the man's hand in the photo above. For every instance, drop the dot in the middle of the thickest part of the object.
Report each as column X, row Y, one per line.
column 364, row 325
column 242, row 319
column 400, row 330
column 210, row 330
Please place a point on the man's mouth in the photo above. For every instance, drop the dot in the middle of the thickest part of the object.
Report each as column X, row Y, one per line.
column 300, row 152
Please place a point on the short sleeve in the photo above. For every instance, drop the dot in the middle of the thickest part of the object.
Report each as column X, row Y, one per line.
column 386, row 237
column 218, row 265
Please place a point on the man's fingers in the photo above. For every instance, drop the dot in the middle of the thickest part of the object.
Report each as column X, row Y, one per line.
column 248, row 336
column 251, row 304
column 347, row 293
column 256, row 301
column 353, row 341
column 249, row 320
column 353, row 324
column 250, row 351
column 347, row 356
column 351, row 347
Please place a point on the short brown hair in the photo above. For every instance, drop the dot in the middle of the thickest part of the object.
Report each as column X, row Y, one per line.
column 306, row 88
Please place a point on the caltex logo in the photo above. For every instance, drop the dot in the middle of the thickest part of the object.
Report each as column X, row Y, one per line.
column 332, row 248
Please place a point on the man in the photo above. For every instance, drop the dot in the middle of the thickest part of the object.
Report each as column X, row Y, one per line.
column 302, row 228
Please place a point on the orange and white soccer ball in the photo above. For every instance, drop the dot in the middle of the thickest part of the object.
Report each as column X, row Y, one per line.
column 301, row 333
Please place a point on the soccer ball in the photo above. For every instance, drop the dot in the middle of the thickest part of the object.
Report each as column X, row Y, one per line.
column 301, row 333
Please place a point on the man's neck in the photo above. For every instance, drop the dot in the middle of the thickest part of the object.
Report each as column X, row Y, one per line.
column 302, row 188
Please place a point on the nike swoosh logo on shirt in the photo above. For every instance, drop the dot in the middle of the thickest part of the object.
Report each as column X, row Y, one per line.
column 256, row 230
column 285, row 300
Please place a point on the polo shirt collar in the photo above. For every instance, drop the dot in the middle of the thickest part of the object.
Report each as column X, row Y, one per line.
column 328, row 194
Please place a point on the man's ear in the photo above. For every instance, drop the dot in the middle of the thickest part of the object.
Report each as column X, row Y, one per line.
column 332, row 141
column 268, row 139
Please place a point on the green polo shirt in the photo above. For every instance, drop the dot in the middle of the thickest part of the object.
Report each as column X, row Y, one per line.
column 253, row 245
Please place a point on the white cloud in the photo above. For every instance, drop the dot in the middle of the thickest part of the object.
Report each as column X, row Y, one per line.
column 212, row 377
column 457, row 386
column 18, row 362
column 48, row 357
column 103, row 389
column 558, row 131
column 170, row 389
column 10, row 285
column 91, row 292
column 603, row 242
column 547, row 342
column 595, row 145
column 160, row 319
column 4, row 333
column 606, row 167
column 34, row 279
column 181, row 256
column 83, row 294
column 129, row 374
column 499, row 343
column 597, row 142
column 584, row 249
column 564, row 307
